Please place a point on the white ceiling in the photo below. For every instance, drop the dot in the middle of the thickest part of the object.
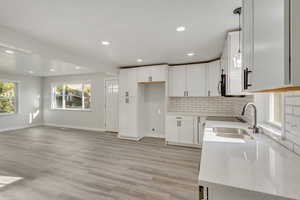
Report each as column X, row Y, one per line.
column 68, row 33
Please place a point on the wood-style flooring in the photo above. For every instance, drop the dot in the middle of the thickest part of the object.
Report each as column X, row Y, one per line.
column 66, row 164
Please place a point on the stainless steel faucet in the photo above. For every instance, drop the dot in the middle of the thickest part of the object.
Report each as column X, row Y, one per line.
column 254, row 127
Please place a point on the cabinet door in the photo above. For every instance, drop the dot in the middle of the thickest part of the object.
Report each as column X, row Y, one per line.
column 196, row 80
column 128, row 103
column 128, row 82
column 143, row 74
column 234, row 71
column 270, row 61
column 177, row 81
column 172, row 124
column 213, row 78
column 247, row 39
column 159, row 73
column 186, row 130
column 295, row 42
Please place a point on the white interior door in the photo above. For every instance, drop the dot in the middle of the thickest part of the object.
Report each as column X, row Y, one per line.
column 112, row 105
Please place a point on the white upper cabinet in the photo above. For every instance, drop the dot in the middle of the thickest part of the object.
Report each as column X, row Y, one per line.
column 295, row 42
column 127, row 79
column 177, row 81
column 269, row 44
column 234, row 70
column 247, row 40
column 231, row 64
column 270, row 31
column 213, row 78
column 196, row 80
column 152, row 74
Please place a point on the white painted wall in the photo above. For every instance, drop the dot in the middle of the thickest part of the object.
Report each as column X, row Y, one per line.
column 152, row 109
column 90, row 120
column 30, row 112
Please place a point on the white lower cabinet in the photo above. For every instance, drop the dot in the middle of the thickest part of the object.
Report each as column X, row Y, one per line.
column 183, row 130
column 220, row 192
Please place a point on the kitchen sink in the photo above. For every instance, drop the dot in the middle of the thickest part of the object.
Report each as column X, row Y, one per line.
column 232, row 133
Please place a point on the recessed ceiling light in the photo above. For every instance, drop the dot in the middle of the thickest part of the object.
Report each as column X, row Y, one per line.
column 9, row 51
column 52, row 70
column 105, row 43
column 180, row 28
column 190, row 54
column 139, row 60
column 30, row 72
column 77, row 67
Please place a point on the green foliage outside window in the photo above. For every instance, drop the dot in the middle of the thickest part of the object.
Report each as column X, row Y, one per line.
column 7, row 97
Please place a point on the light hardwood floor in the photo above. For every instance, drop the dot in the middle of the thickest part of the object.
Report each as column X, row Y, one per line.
column 71, row 165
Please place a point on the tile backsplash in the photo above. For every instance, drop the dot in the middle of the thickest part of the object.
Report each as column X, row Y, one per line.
column 219, row 106
column 292, row 119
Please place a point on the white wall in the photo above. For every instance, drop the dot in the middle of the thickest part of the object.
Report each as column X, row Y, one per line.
column 152, row 109
column 90, row 120
column 29, row 102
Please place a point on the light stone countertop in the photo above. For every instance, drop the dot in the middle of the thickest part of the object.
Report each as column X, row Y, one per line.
column 259, row 165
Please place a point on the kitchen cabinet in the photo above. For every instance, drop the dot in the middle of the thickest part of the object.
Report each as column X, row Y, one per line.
column 152, row 74
column 271, row 40
column 213, row 78
column 183, row 130
column 194, row 80
column 231, row 64
column 177, row 81
column 128, row 104
column 186, row 130
column 247, row 42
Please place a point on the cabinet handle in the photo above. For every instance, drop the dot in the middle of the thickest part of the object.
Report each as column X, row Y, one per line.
column 178, row 123
column 246, row 78
column 208, row 93
column 150, row 78
column 187, row 93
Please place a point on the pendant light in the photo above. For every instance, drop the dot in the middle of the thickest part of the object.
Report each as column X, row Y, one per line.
column 237, row 58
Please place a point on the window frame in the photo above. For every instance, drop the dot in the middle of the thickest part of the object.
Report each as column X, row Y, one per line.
column 64, row 108
column 271, row 112
column 16, row 98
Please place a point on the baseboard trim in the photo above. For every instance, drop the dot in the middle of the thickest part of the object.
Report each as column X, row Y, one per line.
column 198, row 146
column 20, row 127
column 74, row 127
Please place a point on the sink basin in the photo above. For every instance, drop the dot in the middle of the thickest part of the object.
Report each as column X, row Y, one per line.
column 232, row 133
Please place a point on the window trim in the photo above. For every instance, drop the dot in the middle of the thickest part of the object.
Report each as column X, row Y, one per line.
column 16, row 98
column 53, row 85
column 274, row 124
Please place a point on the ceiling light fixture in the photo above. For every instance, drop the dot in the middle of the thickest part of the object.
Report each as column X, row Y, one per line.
column 30, row 72
column 52, row 70
column 105, row 43
column 180, row 28
column 190, row 54
column 77, row 67
column 139, row 60
column 9, row 52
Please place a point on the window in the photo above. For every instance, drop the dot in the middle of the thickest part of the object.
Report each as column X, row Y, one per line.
column 8, row 97
column 75, row 96
column 276, row 109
